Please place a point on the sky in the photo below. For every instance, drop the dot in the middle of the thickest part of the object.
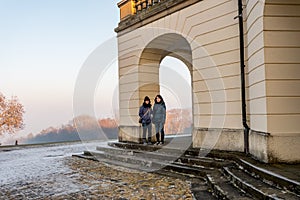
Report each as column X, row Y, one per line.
column 43, row 46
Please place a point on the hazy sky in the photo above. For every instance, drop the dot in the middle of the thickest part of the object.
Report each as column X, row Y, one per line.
column 43, row 45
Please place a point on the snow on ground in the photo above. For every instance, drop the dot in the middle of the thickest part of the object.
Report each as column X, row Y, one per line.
column 38, row 162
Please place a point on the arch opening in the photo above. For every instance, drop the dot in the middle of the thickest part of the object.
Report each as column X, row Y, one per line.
column 175, row 86
column 168, row 60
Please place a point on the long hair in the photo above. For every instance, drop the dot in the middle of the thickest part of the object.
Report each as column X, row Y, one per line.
column 161, row 101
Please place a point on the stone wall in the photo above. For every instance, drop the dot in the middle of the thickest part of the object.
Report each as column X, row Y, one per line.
column 273, row 32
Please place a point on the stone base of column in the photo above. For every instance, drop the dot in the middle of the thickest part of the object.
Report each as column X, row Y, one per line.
column 274, row 149
column 133, row 134
column 130, row 134
column 219, row 139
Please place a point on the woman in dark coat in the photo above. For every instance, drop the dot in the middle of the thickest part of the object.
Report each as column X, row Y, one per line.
column 159, row 118
column 145, row 113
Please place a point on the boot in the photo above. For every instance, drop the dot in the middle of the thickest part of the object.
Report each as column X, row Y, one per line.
column 144, row 141
column 149, row 140
column 157, row 138
column 162, row 136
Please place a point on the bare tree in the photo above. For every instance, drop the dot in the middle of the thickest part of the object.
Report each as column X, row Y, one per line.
column 11, row 115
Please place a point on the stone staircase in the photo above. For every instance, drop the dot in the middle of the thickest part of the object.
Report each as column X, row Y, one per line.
column 218, row 175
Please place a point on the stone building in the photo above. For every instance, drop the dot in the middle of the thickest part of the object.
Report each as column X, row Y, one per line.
column 204, row 34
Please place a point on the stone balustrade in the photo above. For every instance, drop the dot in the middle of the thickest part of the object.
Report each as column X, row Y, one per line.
column 145, row 4
column 132, row 7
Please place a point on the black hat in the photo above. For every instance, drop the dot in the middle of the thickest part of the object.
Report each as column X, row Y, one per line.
column 146, row 98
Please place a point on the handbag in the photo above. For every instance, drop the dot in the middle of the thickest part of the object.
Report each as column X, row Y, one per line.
column 141, row 118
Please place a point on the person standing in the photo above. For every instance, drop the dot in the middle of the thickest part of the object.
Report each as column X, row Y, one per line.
column 145, row 113
column 159, row 118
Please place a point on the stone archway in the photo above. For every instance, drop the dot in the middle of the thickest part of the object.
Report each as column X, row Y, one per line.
column 165, row 45
column 205, row 36
column 146, row 79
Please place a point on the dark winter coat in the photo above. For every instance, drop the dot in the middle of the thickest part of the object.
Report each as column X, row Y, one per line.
column 146, row 118
column 159, row 113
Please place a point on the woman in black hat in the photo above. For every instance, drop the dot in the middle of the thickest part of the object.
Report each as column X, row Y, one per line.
column 145, row 113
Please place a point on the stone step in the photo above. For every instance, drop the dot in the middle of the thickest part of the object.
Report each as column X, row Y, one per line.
column 224, row 189
column 178, row 151
column 173, row 169
column 139, row 153
column 186, row 159
column 152, row 164
column 203, row 161
column 255, row 186
column 148, row 148
column 96, row 158
column 276, row 179
column 192, row 171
